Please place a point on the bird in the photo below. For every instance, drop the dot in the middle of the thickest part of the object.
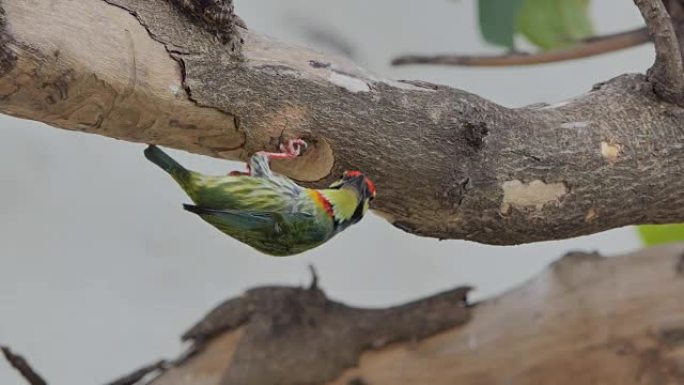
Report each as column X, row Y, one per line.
column 268, row 211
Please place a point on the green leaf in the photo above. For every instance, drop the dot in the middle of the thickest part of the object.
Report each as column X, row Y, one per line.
column 659, row 234
column 498, row 20
column 555, row 23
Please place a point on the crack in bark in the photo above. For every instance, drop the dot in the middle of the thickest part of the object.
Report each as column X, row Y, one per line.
column 226, row 35
column 7, row 57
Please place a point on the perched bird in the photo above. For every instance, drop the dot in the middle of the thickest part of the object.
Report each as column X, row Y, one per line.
column 268, row 211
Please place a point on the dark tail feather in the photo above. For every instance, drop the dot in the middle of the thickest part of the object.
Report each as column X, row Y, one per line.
column 207, row 211
column 161, row 159
column 194, row 209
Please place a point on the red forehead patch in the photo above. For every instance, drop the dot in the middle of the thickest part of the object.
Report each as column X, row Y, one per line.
column 355, row 173
column 371, row 186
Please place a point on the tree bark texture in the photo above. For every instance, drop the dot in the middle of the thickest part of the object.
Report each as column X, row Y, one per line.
column 447, row 163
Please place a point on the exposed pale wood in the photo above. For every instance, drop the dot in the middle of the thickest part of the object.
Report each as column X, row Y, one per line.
column 443, row 160
column 586, row 319
column 206, row 368
column 89, row 66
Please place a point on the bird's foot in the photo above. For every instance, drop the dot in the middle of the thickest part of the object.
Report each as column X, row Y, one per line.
column 288, row 150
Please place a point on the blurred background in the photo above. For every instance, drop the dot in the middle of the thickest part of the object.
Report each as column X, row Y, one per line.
column 101, row 270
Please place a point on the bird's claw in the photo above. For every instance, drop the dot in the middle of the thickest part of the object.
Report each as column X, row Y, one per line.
column 292, row 148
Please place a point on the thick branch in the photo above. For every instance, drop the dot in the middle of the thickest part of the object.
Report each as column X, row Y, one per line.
column 447, row 163
column 285, row 328
column 590, row 47
column 585, row 320
column 667, row 73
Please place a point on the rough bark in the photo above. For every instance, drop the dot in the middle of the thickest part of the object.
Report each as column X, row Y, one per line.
column 446, row 163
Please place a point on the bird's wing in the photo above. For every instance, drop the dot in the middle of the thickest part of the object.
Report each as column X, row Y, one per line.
column 269, row 222
column 270, row 232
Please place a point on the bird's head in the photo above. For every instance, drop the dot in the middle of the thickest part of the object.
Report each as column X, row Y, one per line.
column 363, row 188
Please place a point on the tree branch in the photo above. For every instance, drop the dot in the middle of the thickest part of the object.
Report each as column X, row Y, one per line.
column 285, row 328
column 667, row 73
column 587, row 48
column 139, row 375
column 585, row 319
column 447, row 163
column 23, row 367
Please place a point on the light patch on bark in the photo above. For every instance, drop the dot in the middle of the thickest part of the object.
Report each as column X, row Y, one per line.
column 575, row 125
column 506, row 209
column 591, row 216
column 409, row 86
column 535, row 194
column 175, row 89
column 555, row 105
column 120, row 46
column 610, row 152
column 349, row 83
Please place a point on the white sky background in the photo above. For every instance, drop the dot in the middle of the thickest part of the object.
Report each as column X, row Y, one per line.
column 101, row 270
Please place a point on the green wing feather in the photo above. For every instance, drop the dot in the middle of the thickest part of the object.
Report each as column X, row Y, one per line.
column 295, row 232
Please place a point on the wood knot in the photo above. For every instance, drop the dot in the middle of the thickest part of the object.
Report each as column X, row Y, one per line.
column 474, row 134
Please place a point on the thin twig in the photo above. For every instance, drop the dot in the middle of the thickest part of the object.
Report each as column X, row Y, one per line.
column 314, row 278
column 135, row 377
column 585, row 48
column 22, row 366
column 667, row 73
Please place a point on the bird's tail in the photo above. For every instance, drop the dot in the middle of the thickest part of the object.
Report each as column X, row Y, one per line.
column 166, row 163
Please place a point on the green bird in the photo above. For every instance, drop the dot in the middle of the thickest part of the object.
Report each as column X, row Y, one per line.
column 268, row 211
